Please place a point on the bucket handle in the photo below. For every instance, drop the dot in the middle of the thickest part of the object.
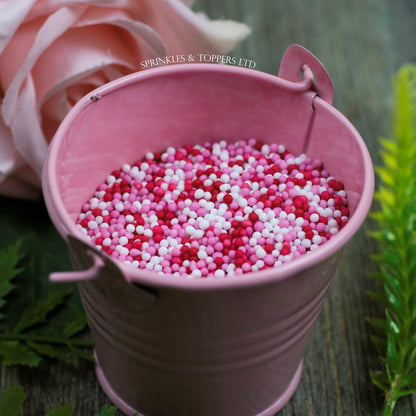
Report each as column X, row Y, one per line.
column 89, row 273
column 299, row 64
column 91, row 264
column 79, row 275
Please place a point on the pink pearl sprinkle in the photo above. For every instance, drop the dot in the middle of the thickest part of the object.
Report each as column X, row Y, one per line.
column 215, row 210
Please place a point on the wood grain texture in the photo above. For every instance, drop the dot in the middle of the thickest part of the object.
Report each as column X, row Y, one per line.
column 361, row 43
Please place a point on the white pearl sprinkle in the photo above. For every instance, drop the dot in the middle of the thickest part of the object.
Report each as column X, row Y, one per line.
column 203, row 229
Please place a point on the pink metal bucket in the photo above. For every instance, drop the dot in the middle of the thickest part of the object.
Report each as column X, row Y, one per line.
column 209, row 347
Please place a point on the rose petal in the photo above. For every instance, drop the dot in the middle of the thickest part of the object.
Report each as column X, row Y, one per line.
column 53, row 112
column 77, row 90
column 26, row 129
column 173, row 19
column 8, row 154
column 54, row 27
column 141, row 32
column 16, row 51
column 46, row 7
column 58, row 105
column 186, row 31
column 189, row 3
column 77, row 54
column 223, row 35
column 109, row 73
column 11, row 16
column 16, row 179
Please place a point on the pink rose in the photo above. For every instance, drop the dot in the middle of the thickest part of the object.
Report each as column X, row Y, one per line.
column 52, row 52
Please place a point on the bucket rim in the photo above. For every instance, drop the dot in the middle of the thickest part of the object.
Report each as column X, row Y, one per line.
column 65, row 225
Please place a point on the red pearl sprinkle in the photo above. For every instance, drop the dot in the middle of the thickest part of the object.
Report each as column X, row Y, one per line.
column 215, row 210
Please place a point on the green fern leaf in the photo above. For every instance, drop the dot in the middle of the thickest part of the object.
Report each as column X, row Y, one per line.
column 396, row 237
column 12, row 402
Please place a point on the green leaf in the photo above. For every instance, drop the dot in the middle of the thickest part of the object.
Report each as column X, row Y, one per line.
column 379, row 297
column 413, row 325
column 396, row 304
column 385, row 175
column 379, row 324
column 107, row 411
column 379, row 217
column 65, row 410
column 36, row 313
column 391, row 281
column 12, row 402
column 392, row 355
column 17, row 354
column 9, row 259
column 31, row 338
column 389, row 236
column 410, row 379
column 392, row 325
column 381, row 346
column 390, row 161
column 387, row 258
column 396, row 238
column 403, row 393
column 48, row 350
column 389, row 145
column 80, row 353
column 380, row 379
column 387, row 197
column 75, row 326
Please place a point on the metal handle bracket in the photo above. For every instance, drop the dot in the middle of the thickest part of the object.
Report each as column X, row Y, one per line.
column 300, row 65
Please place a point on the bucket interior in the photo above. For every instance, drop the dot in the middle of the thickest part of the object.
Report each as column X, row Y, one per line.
column 194, row 104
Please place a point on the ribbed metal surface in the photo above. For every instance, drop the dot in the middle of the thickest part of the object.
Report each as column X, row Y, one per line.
column 192, row 344
column 152, row 347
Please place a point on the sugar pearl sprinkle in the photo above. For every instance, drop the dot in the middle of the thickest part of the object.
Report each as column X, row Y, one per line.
column 215, row 210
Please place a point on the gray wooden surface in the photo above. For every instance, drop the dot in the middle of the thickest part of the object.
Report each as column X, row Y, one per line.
column 361, row 43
